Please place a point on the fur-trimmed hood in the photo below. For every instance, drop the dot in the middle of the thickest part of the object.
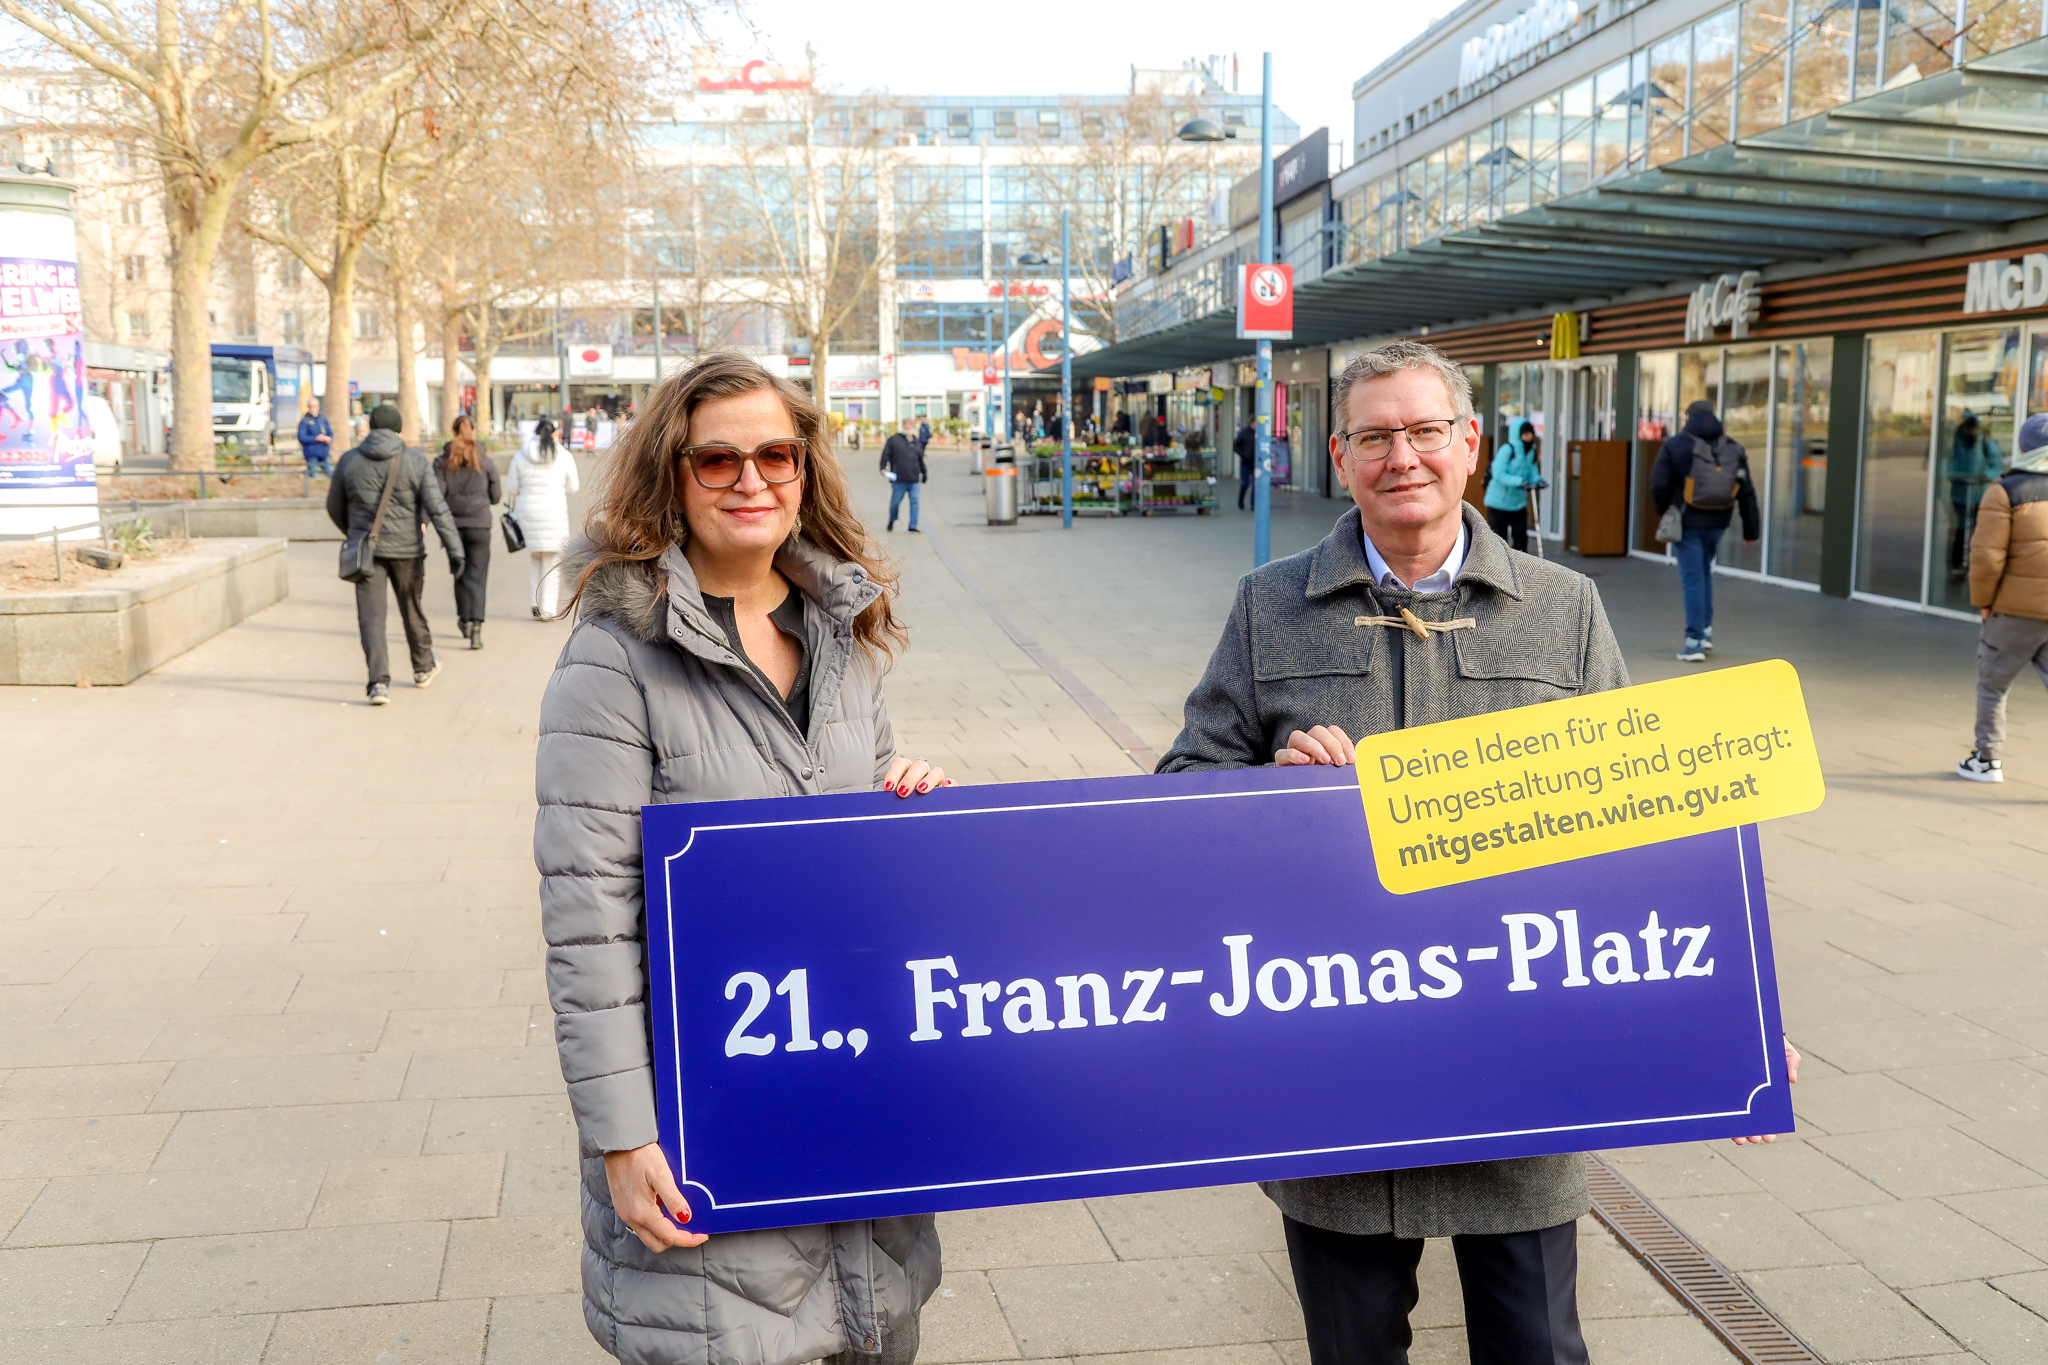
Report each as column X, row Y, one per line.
column 633, row 594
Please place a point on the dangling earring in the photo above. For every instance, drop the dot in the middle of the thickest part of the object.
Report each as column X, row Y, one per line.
column 680, row 531
column 796, row 528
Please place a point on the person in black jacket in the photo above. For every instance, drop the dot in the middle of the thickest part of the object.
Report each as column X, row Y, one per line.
column 469, row 484
column 903, row 465
column 1703, row 440
column 401, row 549
column 1246, row 448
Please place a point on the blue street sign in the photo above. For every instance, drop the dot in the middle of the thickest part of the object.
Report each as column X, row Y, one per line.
column 865, row 1006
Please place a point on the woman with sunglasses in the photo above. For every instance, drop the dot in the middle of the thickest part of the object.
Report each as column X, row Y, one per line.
column 734, row 618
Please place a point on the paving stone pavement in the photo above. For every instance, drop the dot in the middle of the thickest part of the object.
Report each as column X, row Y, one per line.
column 277, row 1081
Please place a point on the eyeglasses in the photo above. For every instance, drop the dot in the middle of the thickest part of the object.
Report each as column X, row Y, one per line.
column 1376, row 443
column 720, row 466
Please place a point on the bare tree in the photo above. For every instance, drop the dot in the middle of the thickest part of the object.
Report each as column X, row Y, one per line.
column 1121, row 175
column 211, row 87
column 801, row 210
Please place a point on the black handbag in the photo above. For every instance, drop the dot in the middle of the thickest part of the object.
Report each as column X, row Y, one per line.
column 515, row 535
column 359, row 550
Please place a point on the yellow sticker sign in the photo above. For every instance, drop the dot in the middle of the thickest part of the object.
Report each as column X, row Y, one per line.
column 1473, row 798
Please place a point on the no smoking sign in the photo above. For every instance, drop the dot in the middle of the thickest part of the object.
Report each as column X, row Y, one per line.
column 1265, row 308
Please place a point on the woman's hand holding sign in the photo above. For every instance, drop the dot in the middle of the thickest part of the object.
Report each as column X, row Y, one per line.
column 642, row 1188
column 1324, row 744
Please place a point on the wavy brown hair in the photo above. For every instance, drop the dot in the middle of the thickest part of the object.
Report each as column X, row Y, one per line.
column 462, row 449
column 638, row 511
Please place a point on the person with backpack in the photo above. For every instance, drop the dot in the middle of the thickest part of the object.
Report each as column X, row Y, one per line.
column 1704, row 473
column 1974, row 464
column 1513, row 472
column 2009, row 589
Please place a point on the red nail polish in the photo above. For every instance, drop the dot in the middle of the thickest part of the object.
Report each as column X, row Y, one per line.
column 924, row 786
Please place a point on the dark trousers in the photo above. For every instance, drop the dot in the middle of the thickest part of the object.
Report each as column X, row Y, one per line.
column 1244, row 486
column 1513, row 527
column 1521, row 1295
column 476, row 567
column 407, row 577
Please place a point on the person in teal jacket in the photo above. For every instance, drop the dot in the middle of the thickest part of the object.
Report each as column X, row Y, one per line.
column 1508, row 480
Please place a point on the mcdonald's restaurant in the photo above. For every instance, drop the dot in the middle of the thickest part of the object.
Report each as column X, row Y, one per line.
column 1830, row 224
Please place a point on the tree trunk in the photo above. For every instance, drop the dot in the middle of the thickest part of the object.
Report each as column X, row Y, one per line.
column 486, row 353
column 414, row 429
column 341, row 298
column 191, row 363
column 451, row 369
column 821, row 360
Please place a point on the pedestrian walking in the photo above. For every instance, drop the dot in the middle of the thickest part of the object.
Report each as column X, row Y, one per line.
column 1246, row 447
column 1706, row 473
column 903, row 466
column 537, row 492
column 316, row 440
column 469, row 485
column 734, row 618
column 2009, row 588
column 361, row 479
column 1514, row 471
column 1974, row 464
column 1407, row 564
column 924, row 433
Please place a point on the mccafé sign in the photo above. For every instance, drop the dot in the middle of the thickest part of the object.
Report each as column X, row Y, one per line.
column 1502, row 43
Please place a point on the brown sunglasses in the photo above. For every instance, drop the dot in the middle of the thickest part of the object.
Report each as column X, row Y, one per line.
column 720, row 466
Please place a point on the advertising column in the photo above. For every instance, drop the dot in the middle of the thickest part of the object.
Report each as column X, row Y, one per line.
column 46, row 472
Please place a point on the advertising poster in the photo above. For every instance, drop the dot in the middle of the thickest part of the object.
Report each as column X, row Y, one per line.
column 45, row 439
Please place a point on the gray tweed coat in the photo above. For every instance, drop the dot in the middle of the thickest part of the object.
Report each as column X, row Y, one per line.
column 648, row 705
column 1292, row 658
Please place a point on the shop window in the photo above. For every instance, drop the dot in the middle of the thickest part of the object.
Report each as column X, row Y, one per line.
column 1745, row 411
column 1898, row 429
column 1611, row 107
column 1665, row 97
column 1766, row 37
column 1918, row 41
column 1824, row 45
column 1979, row 385
column 1454, row 210
column 1797, row 490
column 2000, row 26
column 1713, row 80
column 1656, row 419
column 1544, row 130
column 1575, row 139
column 1515, row 151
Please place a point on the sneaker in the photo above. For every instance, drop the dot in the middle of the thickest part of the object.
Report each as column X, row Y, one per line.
column 380, row 694
column 914, row 531
column 1981, row 767
column 1707, row 639
column 1692, row 652
column 536, row 613
column 426, row 679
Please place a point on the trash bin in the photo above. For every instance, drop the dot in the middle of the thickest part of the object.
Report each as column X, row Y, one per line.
column 980, row 453
column 999, row 494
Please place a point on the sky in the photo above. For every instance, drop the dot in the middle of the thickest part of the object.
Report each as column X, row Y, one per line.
column 1080, row 47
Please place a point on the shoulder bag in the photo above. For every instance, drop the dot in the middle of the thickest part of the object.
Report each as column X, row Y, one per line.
column 359, row 551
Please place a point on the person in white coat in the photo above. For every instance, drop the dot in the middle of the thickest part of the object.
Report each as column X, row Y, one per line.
column 537, row 491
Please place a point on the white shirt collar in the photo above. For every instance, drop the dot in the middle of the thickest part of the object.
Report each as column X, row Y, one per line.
column 1440, row 581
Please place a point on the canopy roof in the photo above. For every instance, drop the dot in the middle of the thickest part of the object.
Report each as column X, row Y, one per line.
column 1963, row 150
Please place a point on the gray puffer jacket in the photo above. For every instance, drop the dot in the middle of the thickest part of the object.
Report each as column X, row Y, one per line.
column 1297, row 652
column 648, row 705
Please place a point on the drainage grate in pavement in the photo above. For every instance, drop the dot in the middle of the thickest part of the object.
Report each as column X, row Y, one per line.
column 1702, row 1283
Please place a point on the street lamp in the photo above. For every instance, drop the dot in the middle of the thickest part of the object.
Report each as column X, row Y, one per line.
column 1066, row 372
column 1206, row 130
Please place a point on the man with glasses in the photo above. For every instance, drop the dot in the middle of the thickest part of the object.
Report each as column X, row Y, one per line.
column 1410, row 612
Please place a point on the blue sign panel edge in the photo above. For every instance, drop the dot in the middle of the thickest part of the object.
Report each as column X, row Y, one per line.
column 1768, row 1107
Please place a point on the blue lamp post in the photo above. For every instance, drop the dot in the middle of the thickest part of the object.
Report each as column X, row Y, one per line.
column 1066, row 371
column 1205, row 130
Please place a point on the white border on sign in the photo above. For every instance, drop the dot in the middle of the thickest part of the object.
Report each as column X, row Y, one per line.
column 1348, row 790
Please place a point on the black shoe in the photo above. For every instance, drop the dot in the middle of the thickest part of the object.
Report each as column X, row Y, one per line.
column 380, row 694
column 426, row 679
column 476, row 635
column 914, row 531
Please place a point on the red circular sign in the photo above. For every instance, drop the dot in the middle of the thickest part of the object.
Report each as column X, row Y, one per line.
column 591, row 357
column 1268, row 285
